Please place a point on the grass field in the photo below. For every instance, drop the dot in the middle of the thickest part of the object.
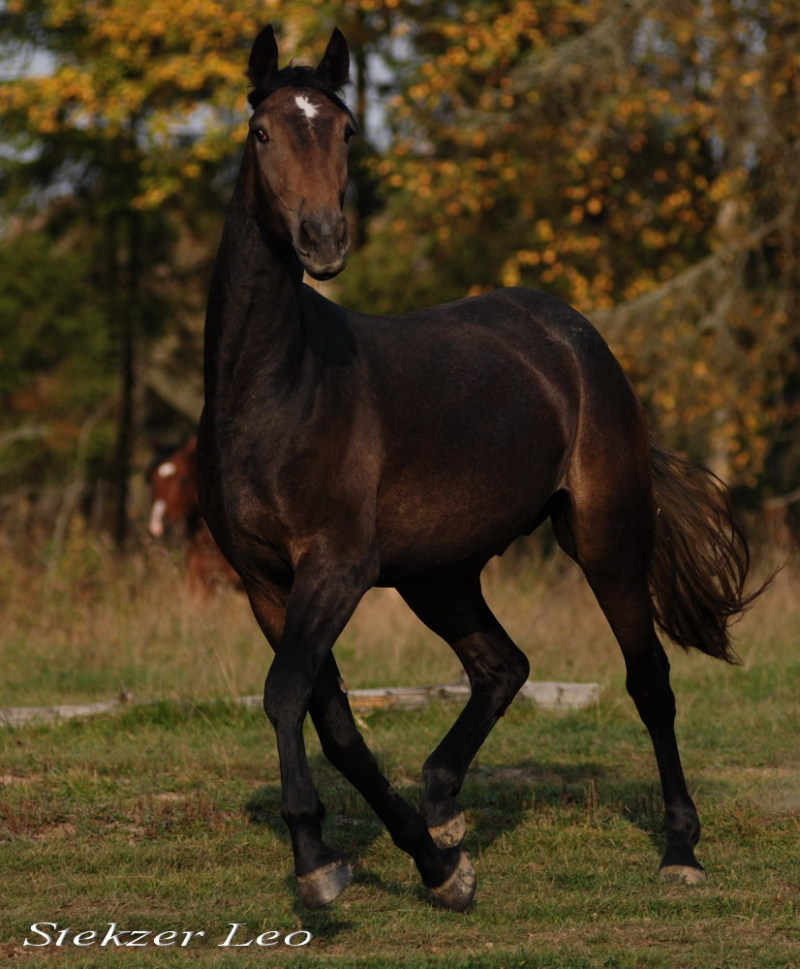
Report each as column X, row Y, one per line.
column 164, row 818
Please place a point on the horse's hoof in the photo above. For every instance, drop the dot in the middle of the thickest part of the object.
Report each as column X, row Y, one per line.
column 451, row 833
column 459, row 889
column 323, row 885
column 682, row 875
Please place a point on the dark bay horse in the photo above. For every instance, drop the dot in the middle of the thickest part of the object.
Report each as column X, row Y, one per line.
column 339, row 451
column 173, row 493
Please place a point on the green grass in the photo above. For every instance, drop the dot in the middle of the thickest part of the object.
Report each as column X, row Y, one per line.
column 165, row 816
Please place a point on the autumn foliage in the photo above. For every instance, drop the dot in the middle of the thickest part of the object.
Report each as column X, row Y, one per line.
column 636, row 159
column 640, row 159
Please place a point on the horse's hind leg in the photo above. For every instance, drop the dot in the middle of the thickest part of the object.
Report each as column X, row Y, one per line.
column 612, row 546
column 455, row 609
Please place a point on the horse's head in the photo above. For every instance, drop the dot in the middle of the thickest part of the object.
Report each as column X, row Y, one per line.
column 173, row 488
column 298, row 135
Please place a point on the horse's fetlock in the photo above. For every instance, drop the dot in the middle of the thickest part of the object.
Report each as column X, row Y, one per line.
column 304, row 820
column 682, row 823
column 440, row 780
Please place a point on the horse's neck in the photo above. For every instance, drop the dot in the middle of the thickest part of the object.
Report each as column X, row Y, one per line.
column 254, row 306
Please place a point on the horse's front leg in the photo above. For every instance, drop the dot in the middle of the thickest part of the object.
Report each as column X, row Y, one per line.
column 445, row 870
column 323, row 596
column 325, row 873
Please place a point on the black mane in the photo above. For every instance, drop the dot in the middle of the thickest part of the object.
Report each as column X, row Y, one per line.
column 297, row 77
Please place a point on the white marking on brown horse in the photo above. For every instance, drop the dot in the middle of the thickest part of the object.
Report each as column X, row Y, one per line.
column 309, row 109
column 156, row 524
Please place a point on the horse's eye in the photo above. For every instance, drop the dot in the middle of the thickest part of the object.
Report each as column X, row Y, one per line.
column 260, row 134
column 349, row 131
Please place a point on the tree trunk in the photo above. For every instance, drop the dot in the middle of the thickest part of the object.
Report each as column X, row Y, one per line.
column 126, row 300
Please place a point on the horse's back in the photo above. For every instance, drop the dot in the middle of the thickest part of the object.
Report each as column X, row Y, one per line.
column 515, row 359
column 478, row 405
column 515, row 325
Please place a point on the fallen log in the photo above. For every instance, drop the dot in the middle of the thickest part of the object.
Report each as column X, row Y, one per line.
column 547, row 696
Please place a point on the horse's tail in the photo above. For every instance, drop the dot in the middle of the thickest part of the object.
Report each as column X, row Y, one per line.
column 701, row 558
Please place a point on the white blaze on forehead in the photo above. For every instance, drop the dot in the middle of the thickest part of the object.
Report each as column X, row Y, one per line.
column 309, row 109
column 166, row 470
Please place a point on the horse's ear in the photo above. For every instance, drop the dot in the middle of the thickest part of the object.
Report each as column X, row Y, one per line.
column 334, row 68
column 263, row 63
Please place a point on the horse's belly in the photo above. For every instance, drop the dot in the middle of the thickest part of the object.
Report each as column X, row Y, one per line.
column 442, row 514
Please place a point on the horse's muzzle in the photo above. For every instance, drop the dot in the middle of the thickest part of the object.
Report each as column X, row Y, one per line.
column 322, row 244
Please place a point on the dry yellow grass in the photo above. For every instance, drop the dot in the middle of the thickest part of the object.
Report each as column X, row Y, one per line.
column 91, row 626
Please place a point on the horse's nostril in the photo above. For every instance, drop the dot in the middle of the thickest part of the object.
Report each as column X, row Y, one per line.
column 317, row 233
column 307, row 237
column 343, row 234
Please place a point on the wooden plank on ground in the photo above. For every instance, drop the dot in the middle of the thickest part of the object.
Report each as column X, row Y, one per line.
column 19, row 716
column 548, row 696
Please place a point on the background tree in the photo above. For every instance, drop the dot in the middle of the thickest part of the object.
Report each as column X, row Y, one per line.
column 638, row 159
column 120, row 120
column 641, row 161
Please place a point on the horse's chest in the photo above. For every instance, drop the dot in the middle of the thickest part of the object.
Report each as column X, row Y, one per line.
column 283, row 491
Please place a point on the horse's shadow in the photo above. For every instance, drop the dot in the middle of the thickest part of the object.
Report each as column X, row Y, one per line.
column 496, row 799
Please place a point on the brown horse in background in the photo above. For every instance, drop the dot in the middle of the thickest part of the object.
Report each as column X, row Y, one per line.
column 173, row 493
column 340, row 451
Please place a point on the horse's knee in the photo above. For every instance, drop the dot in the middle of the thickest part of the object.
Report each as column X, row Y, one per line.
column 270, row 702
column 518, row 671
column 279, row 693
